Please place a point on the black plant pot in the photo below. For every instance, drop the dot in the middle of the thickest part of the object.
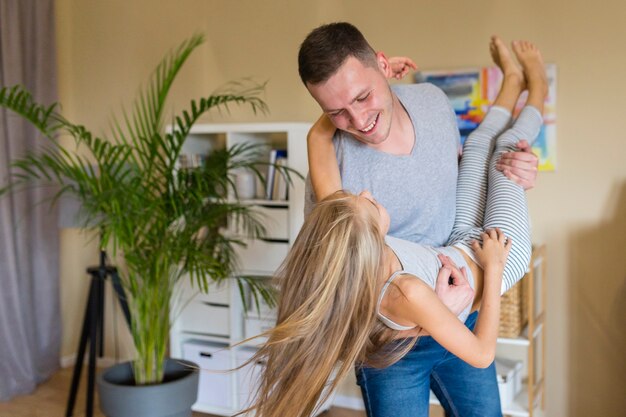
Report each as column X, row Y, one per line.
column 119, row 397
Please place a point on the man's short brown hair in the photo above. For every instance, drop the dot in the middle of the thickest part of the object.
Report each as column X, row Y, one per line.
column 327, row 47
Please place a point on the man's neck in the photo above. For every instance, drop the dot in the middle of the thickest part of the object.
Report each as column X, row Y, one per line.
column 401, row 134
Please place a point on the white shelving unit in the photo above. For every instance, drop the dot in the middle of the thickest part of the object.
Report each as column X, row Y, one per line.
column 210, row 323
column 529, row 347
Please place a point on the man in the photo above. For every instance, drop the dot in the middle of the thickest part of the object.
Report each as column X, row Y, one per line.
column 401, row 144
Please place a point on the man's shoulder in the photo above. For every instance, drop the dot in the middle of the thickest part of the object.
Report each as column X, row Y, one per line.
column 420, row 91
column 425, row 102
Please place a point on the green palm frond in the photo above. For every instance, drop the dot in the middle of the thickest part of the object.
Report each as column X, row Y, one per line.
column 147, row 117
column 17, row 99
column 244, row 87
column 164, row 221
column 163, row 79
column 249, row 94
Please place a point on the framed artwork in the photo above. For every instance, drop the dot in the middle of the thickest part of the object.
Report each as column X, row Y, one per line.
column 471, row 92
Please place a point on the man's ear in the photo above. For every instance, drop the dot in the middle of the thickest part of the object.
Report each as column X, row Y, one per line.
column 383, row 64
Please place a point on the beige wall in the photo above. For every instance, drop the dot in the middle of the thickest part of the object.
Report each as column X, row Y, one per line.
column 107, row 48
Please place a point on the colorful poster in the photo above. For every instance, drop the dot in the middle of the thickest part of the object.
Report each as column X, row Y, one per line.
column 471, row 92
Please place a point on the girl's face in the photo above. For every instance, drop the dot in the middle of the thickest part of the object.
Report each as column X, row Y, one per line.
column 378, row 212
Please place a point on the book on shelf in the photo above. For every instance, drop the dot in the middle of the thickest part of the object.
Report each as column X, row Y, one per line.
column 279, row 191
column 194, row 160
column 275, row 155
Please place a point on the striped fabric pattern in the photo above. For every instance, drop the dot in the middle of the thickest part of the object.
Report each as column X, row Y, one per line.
column 486, row 199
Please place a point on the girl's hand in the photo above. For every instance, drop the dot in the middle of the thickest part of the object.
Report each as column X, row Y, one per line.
column 452, row 286
column 400, row 66
column 494, row 250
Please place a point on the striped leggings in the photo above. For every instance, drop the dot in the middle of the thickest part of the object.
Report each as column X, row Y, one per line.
column 486, row 199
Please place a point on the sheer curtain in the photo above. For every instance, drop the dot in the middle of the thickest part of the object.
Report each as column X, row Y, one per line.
column 30, row 320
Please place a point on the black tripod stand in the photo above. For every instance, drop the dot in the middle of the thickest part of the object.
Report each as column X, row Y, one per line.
column 93, row 330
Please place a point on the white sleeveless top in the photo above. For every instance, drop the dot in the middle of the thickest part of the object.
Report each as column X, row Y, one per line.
column 421, row 262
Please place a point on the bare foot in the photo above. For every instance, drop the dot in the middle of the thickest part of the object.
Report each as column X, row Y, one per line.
column 513, row 80
column 530, row 58
column 504, row 60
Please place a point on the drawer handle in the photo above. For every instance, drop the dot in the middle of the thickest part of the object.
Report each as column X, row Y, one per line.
column 206, row 355
column 214, row 304
column 274, row 206
column 269, row 240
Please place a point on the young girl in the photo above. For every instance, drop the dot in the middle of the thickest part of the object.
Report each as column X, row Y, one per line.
column 351, row 294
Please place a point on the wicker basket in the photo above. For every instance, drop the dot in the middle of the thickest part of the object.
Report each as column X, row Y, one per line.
column 514, row 310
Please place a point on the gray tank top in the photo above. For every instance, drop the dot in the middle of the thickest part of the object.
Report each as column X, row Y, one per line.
column 420, row 261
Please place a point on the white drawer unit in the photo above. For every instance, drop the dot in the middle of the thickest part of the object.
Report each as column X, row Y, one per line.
column 274, row 218
column 276, row 221
column 205, row 318
column 216, row 294
column 262, row 256
column 216, row 386
column 254, row 326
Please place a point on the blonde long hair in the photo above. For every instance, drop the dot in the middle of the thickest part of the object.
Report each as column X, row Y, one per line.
column 329, row 284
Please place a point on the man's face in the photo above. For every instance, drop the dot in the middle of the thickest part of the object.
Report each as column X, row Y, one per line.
column 357, row 98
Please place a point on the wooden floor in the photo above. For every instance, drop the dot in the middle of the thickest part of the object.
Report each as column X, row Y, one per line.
column 49, row 400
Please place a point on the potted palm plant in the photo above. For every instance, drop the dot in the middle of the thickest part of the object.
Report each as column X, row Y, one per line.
column 162, row 222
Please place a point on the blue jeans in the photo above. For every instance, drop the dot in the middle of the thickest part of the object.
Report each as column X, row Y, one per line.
column 402, row 390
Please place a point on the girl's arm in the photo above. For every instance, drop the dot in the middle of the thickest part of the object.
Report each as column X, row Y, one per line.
column 419, row 305
column 323, row 167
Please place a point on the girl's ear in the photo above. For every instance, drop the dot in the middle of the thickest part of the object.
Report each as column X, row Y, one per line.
column 383, row 64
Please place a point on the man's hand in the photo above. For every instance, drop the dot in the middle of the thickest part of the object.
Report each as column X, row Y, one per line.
column 452, row 286
column 520, row 166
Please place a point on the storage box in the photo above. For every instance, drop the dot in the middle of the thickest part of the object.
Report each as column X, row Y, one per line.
column 216, row 386
column 509, row 374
